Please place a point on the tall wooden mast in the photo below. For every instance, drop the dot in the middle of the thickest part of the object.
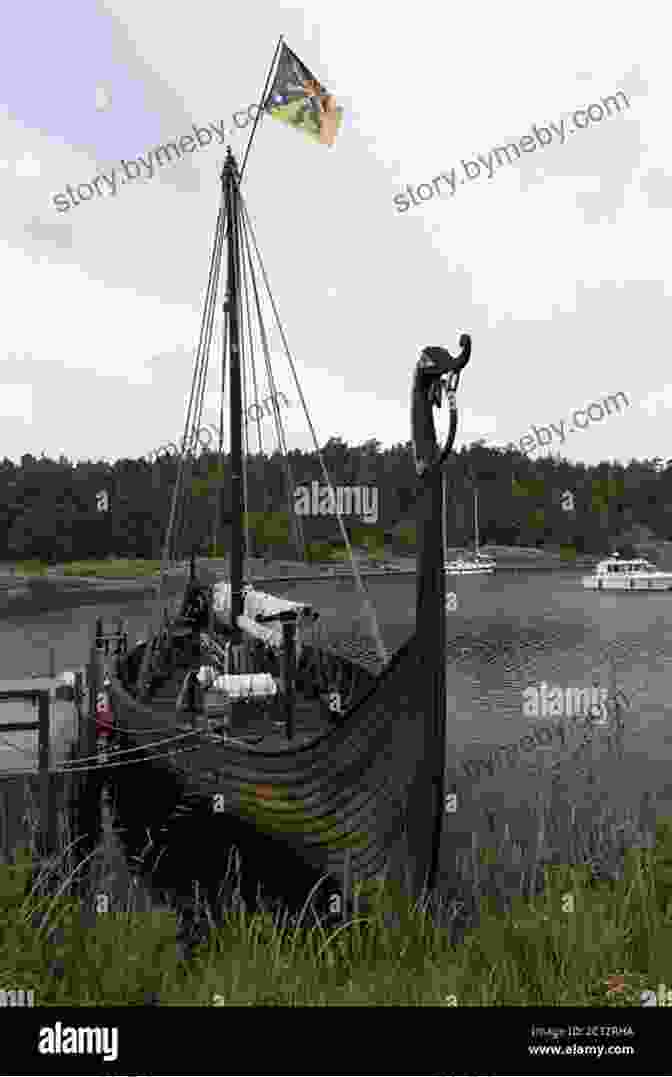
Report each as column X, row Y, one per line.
column 230, row 180
column 476, row 520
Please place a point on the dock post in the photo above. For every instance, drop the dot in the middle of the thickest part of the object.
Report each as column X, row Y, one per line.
column 5, row 844
column 75, row 781
column 89, row 791
column 47, row 806
column 346, row 884
column 78, row 700
column 52, row 662
column 289, row 642
column 90, row 728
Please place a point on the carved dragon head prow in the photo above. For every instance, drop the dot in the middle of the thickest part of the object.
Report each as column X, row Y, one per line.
column 435, row 365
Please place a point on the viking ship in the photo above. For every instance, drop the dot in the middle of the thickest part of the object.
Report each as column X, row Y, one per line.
column 335, row 756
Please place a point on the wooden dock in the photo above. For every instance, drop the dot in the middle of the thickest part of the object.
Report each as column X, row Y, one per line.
column 46, row 724
column 38, row 733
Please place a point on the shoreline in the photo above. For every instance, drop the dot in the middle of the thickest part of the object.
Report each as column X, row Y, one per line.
column 24, row 595
column 53, row 595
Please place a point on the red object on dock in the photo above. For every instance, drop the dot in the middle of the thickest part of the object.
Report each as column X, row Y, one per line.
column 104, row 716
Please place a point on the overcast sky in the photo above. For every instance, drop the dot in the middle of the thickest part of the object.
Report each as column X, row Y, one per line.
column 558, row 265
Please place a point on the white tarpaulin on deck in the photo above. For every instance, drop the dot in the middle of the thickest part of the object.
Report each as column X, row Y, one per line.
column 258, row 603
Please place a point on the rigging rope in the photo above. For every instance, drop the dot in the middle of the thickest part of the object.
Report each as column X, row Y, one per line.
column 245, row 432
column 75, row 767
column 191, row 426
column 299, row 539
column 178, row 514
column 106, row 766
column 365, row 598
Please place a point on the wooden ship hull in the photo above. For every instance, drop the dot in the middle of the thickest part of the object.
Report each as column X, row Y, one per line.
column 360, row 797
column 354, row 795
column 337, row 761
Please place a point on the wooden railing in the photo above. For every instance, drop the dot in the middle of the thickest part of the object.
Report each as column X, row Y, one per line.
column 48, row 814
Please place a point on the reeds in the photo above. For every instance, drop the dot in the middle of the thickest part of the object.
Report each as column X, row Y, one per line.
column 112, row 568
column 554, row 910
column 520, row 928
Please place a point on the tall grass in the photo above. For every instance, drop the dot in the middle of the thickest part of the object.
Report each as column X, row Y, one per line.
column 507, row 935
column 573, row 909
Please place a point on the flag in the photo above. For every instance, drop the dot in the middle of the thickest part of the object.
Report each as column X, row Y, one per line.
column 298, row 99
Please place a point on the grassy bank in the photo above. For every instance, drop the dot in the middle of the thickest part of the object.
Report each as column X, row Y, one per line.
column 611, row 940
column 119, row 568
column 24, row 568
column 137, row 568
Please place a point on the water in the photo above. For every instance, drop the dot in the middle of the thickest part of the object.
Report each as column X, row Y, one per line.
column 24, row 650
column 515, row 630
column 510, row 631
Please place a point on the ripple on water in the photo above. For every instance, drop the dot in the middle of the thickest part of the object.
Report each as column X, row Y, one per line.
column 515, row 633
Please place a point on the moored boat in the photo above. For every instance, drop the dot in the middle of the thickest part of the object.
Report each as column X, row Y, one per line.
column 621, row 574
column 471, row 564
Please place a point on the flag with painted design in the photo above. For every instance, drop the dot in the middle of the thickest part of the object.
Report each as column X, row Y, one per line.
column 297, row 98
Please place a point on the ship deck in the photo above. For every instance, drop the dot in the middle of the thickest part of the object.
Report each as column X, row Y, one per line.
column 260, row 726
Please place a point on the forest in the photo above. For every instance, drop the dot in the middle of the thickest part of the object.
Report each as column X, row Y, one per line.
column 52, row 511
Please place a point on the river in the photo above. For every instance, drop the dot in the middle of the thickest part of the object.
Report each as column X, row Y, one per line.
column 509, row 631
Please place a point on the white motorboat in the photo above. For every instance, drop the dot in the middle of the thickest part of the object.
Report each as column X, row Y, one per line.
column 471, row 566
column 618, row 574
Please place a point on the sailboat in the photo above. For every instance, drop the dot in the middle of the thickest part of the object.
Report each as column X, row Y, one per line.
column 480, row 563
column 336, row 757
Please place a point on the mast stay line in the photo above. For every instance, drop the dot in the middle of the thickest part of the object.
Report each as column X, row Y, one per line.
column 234, row 226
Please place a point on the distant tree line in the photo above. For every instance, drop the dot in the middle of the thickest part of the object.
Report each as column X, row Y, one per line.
column 49, row 509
